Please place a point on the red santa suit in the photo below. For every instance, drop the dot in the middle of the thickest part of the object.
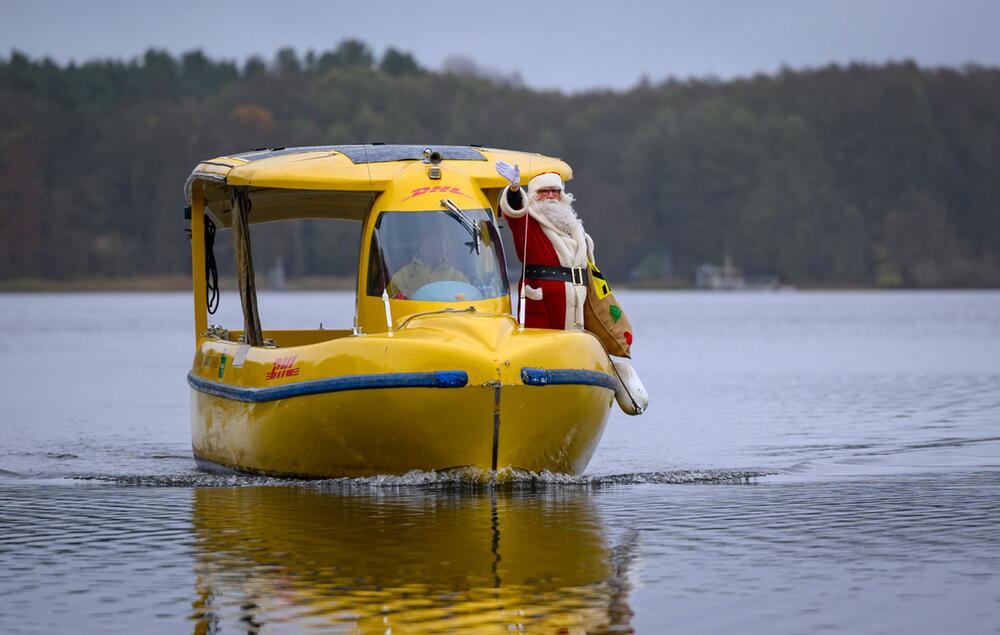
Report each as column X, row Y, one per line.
column 549, row 304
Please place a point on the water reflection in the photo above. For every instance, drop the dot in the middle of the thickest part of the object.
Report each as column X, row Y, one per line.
column 406, row 560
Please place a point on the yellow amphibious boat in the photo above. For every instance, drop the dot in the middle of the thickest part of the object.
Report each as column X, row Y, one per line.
column 436, row 372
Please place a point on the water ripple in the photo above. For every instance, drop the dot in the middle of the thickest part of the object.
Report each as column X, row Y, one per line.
column 463, row 477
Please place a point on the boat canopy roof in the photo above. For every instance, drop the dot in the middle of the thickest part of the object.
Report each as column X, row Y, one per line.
column 342, row 181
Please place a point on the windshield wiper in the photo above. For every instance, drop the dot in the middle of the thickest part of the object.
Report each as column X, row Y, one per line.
column 470, row 225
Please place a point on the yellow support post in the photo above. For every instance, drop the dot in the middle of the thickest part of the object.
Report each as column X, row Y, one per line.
column 198, row 260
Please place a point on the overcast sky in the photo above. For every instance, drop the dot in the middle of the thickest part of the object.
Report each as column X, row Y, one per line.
column 552, row 43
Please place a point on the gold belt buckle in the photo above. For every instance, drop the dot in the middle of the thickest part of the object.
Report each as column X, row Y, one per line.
column 578, row 278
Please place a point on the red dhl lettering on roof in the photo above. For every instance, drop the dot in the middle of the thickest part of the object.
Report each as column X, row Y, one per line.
column 436, row 189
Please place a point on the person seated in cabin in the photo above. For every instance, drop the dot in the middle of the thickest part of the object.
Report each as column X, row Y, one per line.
column 431, row 263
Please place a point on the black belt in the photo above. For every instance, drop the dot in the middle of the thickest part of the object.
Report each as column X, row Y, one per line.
column 576, row 275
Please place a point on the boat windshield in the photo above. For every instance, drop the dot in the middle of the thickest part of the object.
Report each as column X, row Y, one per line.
column 439, row 256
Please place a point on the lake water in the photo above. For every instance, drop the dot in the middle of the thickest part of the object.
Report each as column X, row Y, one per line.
column 809, row 462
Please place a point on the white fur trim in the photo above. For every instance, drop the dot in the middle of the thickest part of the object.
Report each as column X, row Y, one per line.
column 576, row 295
column 546, row 180
column 510, row 211
column 532, row 293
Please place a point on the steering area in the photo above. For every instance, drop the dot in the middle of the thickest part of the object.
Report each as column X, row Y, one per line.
column 447, row 291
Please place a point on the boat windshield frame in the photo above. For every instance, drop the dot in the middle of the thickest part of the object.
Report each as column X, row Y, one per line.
column 459, row 267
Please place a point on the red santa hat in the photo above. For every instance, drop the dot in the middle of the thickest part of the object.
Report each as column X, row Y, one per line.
column 545, row 181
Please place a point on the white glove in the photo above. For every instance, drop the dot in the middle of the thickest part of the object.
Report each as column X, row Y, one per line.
column 510, row 172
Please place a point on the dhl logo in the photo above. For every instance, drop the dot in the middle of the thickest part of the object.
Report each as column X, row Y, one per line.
column 283, row 368
column 436, row 189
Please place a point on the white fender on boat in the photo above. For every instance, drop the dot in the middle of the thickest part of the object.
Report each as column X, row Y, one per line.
column 631, row 394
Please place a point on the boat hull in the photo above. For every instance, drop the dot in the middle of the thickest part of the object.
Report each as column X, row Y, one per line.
column 396, row 430
column 487, row 397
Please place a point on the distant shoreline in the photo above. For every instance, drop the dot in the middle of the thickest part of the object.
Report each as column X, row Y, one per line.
column 147, row 284
column 160, row 283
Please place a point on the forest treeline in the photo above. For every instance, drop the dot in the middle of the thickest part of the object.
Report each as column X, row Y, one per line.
column 882, row 175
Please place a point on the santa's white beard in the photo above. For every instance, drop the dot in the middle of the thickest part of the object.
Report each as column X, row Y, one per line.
column 559, row 213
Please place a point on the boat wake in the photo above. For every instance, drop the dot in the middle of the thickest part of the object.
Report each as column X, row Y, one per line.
column 455, row 478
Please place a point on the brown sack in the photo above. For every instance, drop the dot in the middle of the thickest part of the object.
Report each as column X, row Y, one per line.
column 603, row 316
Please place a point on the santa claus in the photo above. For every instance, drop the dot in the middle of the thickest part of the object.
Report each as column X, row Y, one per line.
column 549, row 239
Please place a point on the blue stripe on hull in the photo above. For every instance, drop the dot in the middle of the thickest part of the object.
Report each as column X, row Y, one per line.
column 567, row 376
column 436, row 379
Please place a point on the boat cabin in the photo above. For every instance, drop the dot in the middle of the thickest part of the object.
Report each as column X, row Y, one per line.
column 429, row 234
